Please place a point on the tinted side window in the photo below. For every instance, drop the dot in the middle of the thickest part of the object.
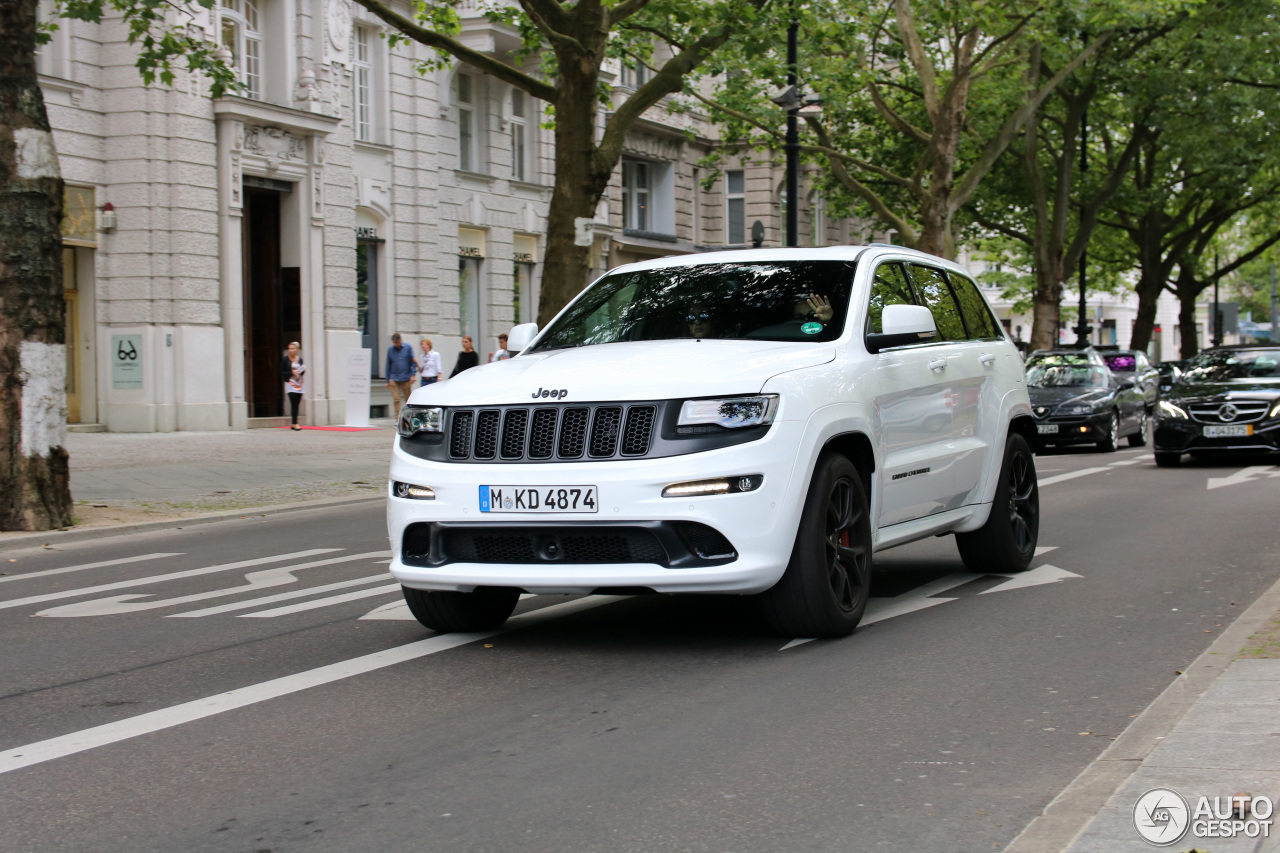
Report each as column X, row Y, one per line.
column 888, row 288
column 932, row 287
column 977, row 316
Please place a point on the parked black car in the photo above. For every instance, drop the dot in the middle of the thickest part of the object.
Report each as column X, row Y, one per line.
column 1077, row 400
column 1227, row 399
column 1134, row 364
column 1169, row 373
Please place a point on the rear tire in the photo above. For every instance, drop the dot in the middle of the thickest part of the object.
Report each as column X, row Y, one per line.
column 1139, row 438
column 1007, row 542
column 824, row 591
column 448, row 612
column 1168, row 460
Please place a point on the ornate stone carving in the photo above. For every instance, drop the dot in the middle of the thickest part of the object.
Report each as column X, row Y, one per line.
column 338, row 27
column 274, row 143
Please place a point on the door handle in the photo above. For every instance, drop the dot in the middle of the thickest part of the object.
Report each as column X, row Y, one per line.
column 987, row 358
column 938, row 364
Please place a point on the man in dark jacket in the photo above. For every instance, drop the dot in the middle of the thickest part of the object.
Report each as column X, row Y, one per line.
column 401, row 365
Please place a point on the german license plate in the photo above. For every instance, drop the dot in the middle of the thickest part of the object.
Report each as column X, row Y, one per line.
column 1231, row 431
column 543, row 499
column 1045, row 429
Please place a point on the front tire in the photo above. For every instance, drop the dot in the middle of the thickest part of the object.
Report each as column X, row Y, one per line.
column 824, row 591
column 1111, row 443
column 463, row 612
column 1007, row 542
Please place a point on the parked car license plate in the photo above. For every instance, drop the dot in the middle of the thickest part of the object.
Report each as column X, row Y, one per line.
column 1045, row 429
column 546, row 499
column 1228, row 431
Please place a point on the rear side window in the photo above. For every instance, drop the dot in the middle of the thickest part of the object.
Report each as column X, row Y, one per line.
column 982, row 326
column 932, row 287
column 889, row 287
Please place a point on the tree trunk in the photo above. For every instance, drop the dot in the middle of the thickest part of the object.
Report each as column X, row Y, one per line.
column 35, row 491
column 1044, row 307
column 576, row 193
column 1187, row 325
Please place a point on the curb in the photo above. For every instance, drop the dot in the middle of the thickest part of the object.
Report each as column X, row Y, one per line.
column 51, row 537
column 1068, row 814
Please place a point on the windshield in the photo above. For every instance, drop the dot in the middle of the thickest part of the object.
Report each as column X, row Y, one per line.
column 772, row 301
column 1121, row 362
column 1235, row 364
column 1055, row 374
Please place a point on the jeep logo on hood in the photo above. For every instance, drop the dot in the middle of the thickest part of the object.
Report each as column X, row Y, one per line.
column 554, row 394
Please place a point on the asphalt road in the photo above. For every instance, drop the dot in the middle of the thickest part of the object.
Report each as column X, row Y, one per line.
column 151, row 706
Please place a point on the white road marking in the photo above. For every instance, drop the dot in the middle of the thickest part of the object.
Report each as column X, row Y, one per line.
column 190, row 573
column 880, row 609
column 117, row 604
column 797, row 642
column 1037, row 576
column 1043, row 549
column 1124, row 462
column 154, row 721
column 1071, row 475
column 396, row 611
column 1244, row 475
column 283, row 596
column 44, row 573
column 323, row 602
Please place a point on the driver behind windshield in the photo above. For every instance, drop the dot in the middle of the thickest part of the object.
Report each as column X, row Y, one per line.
column 700, row 322
column 810, row 314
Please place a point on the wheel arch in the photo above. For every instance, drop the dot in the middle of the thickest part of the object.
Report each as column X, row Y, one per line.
column 1025, row 426
column 855, row 446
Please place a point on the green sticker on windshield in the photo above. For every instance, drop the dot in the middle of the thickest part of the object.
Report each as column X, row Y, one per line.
column 811, row 328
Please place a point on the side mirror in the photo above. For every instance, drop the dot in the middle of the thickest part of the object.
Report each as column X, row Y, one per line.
column 519, row 338
column 903, row 325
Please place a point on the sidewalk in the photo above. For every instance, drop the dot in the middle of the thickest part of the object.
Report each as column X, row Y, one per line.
column 1214, row 732
column 132, row 478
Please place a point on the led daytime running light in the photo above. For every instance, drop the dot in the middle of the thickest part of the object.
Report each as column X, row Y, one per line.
column 413, row 492
column 718, row 486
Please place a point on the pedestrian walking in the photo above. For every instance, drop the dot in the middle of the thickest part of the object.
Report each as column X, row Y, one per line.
column 429, row 363
column 292, row 370
column 500, row 354
column 467, row 359
column 401, row 365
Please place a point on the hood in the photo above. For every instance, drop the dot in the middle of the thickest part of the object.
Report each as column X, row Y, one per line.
column 638, row 370
column 1254, row 389
column 1054, row 397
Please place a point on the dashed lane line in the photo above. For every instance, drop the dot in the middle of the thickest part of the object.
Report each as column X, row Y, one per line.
column 323, row 602
column 176, row 715
column 1070, row 475
column 44, row 573
column 190, row 573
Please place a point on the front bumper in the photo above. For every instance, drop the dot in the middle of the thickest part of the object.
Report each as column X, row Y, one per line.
column 1178, row 435
column 1089, row 429
column 760, row 525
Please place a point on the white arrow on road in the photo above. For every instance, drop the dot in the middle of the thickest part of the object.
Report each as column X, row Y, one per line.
column 1244, row 475
column 1035, row 577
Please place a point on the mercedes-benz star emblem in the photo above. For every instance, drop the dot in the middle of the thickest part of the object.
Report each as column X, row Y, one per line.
column 1228, row 413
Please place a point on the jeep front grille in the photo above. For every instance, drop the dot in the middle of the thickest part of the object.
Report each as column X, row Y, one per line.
column 518, row 433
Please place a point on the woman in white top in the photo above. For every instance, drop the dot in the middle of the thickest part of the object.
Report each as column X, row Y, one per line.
column 292, row 369
column 428, row 364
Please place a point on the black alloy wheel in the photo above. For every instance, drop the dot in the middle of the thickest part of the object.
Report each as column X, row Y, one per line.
column 1139, row 438
column 1111, row 443
column 825, row 589
column 1007, row 542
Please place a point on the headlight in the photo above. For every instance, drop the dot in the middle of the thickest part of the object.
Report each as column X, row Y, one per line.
column 416, row 419
column 1275, row 411
column 729, row 412
column 1169, row 410
column 1077, row 409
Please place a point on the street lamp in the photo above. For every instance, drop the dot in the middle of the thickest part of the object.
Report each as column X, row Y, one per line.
column 796, row 105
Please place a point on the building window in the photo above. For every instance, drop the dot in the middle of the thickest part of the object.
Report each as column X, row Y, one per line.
column 469, row 298
column 241, row 36
column 519, row 136
column 362, row 84
column 634, row 73
column 735, row 200
column 367, row 298
column 469, row 126
column 817, row 220
column 635, row 195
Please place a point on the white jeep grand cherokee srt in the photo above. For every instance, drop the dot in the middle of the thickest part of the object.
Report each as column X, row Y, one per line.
column 756, row 422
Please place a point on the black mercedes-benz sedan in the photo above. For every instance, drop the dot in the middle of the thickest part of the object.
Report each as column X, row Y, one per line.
column 1076, row 400
column 1228, row 398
